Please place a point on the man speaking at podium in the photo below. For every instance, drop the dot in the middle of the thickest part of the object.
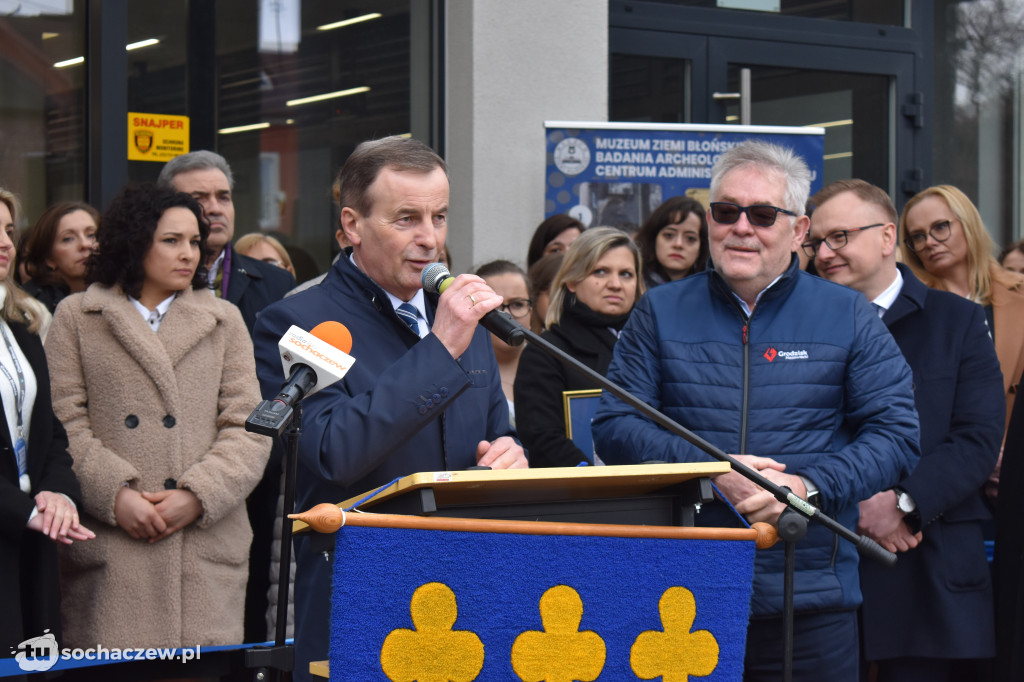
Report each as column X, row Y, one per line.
column 424, row 393
column 759, row 357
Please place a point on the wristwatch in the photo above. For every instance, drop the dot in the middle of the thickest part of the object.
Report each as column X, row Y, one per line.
column 904, row 502
column 813, row 494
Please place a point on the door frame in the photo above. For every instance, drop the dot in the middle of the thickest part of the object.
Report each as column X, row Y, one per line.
column 711, row 39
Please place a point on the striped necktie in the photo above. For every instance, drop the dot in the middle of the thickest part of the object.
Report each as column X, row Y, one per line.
column 407, row 312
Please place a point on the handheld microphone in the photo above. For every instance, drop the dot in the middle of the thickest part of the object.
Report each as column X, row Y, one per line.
column 311, row 361
column 436, row 278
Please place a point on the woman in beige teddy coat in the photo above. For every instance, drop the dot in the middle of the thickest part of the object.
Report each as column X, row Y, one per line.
column 153, row 378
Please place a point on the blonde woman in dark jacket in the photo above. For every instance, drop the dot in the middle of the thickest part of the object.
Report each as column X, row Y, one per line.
column 39, row 495
column 594, row 291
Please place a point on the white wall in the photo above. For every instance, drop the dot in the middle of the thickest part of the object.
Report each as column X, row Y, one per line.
column 510, row 66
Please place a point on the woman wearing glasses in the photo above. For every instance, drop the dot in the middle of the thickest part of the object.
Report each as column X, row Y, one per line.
column 592, row 295
column 949, row 248
column 509, row 281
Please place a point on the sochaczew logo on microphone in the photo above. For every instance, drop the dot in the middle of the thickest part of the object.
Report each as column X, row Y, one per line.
column 331, row 363
column 307, row 346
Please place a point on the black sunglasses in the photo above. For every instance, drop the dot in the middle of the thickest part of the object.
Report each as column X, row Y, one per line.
column 759, row 215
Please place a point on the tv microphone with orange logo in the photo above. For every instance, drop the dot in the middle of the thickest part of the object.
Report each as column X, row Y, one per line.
column 312, row 361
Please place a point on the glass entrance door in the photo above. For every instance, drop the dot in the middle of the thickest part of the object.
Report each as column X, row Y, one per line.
column 863, row 95
column 854, row 109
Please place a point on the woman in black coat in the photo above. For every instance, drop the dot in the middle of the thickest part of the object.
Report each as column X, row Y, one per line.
column 38, row 490
column 592, row 295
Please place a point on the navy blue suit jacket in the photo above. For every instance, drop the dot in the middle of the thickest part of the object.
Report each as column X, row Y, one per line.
column 936, row 602
column 253, row 285
column 405, row 406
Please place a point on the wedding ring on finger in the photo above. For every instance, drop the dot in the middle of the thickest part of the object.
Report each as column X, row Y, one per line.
column 472, row 301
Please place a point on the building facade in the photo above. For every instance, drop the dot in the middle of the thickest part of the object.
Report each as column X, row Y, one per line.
column 911, row 94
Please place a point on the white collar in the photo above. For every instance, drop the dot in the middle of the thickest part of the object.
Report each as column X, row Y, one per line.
column 885, row 299
column 743, row 304
column 154, row 317
column 418, row 301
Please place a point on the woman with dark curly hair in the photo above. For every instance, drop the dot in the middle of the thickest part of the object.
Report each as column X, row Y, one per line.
column 674, row 241
column 56, row 249
column 153, row 378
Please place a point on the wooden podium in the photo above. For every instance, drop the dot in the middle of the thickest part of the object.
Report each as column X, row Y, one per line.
column 634, row 494
column 602, row 587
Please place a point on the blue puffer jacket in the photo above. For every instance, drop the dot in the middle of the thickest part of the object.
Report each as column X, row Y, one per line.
column 812, row 379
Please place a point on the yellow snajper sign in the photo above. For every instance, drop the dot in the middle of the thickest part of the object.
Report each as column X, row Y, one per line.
column 156, row 137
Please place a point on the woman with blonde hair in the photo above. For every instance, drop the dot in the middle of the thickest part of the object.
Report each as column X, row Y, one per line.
column 592, row 295
column 265, row 248
column 39, row 494
column 948, row 248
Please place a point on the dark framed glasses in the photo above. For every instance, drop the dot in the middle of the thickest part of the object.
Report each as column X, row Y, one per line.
column 758, row 215
column 939, row 232
column 835, row 241
column 517, row 307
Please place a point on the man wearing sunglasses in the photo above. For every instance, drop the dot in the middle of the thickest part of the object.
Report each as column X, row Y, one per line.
column 795, row 374
column 934, row 516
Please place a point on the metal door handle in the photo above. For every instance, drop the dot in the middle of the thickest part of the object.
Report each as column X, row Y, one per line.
column 743, row 96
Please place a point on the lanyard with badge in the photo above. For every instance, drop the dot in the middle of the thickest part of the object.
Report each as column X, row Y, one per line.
column 20, row 447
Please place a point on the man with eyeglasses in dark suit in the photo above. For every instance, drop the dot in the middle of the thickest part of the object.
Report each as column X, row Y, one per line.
column 928, row 616
column 796, row 375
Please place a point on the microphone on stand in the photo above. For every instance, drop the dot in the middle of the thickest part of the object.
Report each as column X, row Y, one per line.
column 312, row 361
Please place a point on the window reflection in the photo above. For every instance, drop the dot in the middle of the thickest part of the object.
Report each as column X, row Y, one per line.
column 42, row 117
column 978, row 107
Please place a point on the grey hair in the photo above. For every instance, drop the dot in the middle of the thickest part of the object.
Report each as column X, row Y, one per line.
column 770, row 157
column 200, row 160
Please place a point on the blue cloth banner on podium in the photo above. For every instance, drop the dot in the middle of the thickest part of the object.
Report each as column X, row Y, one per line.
column 413, row 604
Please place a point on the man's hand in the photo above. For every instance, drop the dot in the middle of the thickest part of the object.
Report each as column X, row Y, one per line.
column 736, row 487
column 901, row 540
column 459, row 310
column 884, row 523
column 881, row 521
column 137, row 515
column 503, row 453
column 58, row 519
column 178, row 508
column 750, row 499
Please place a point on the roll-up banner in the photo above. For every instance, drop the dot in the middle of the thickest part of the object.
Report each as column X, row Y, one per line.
column 616, row 174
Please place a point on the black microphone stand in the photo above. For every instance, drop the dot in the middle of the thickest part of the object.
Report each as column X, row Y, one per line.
column 792, row 523
column 270, row 418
